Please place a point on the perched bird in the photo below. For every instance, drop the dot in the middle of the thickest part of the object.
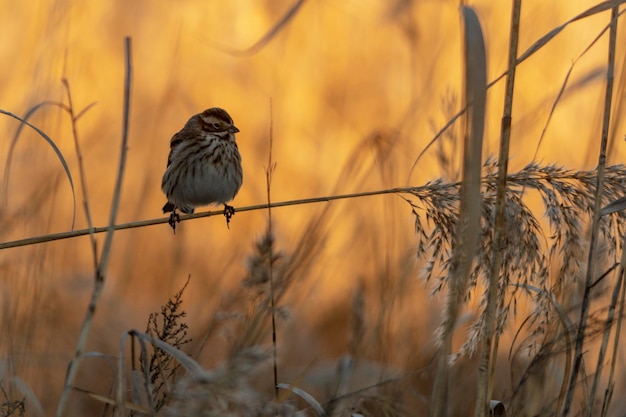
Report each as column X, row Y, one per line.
column 203, row 166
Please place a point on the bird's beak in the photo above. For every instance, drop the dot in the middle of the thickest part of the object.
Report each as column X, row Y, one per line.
column 233, row 129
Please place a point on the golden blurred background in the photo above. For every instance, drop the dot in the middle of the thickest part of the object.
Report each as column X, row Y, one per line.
column 357, row 90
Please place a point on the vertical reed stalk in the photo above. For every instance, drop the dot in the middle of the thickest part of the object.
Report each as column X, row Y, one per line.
column 100, row 272
column 490, row 338
column 591, row 264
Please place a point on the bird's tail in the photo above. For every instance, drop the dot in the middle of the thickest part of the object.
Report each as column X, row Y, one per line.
column 169, row 206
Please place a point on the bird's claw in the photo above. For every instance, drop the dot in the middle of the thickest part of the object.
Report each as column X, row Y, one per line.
column 174, row 218
column 229, row 212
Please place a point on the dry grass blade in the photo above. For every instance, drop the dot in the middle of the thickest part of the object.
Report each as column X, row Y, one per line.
column 267, row 38
column 614, row 206
column 535, row 47
column 467, row 235
column 16, row 136
column 54, row 147
column 111, row 401
column 305, row 396
column 541, row 42
column 186, row 361
column 564, row 85
column 476, row 81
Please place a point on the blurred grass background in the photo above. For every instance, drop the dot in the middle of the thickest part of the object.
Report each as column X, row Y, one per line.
column 358, row 90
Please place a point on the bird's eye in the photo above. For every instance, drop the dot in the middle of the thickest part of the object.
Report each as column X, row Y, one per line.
column 216, row 126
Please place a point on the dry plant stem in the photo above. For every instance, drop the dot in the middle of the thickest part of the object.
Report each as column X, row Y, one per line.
column 164, row 220
column 468, row 230
column 121, row 382
column 608, row 324
column 586, row 301
column 617, row 290
column 101, row 270
column 608, row 393
column 488, row 357
column 81, row 170
column 268, row 181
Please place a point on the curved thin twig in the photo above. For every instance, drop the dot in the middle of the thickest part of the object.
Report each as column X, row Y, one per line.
column 265, row 39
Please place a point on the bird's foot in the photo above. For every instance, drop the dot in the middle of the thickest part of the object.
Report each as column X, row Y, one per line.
column 229, row 212
column 174, row 218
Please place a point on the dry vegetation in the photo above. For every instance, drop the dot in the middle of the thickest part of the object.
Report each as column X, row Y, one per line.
column 339, row 300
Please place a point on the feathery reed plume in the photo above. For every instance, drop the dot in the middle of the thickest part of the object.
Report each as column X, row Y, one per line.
column 568, row 196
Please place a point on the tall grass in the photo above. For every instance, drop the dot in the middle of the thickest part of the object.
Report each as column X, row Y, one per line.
column 530, row 271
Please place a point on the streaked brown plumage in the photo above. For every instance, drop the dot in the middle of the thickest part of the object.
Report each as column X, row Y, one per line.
column 204, row 165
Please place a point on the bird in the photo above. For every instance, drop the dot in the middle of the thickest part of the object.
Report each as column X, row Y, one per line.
column 203, row 165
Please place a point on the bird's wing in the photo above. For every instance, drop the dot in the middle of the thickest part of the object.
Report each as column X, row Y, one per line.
column 176, row 140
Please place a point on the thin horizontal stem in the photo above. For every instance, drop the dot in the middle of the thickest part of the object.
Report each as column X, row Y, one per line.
column 143, row 223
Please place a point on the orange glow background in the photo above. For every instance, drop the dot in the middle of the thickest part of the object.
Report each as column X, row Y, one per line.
column 358, row 88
